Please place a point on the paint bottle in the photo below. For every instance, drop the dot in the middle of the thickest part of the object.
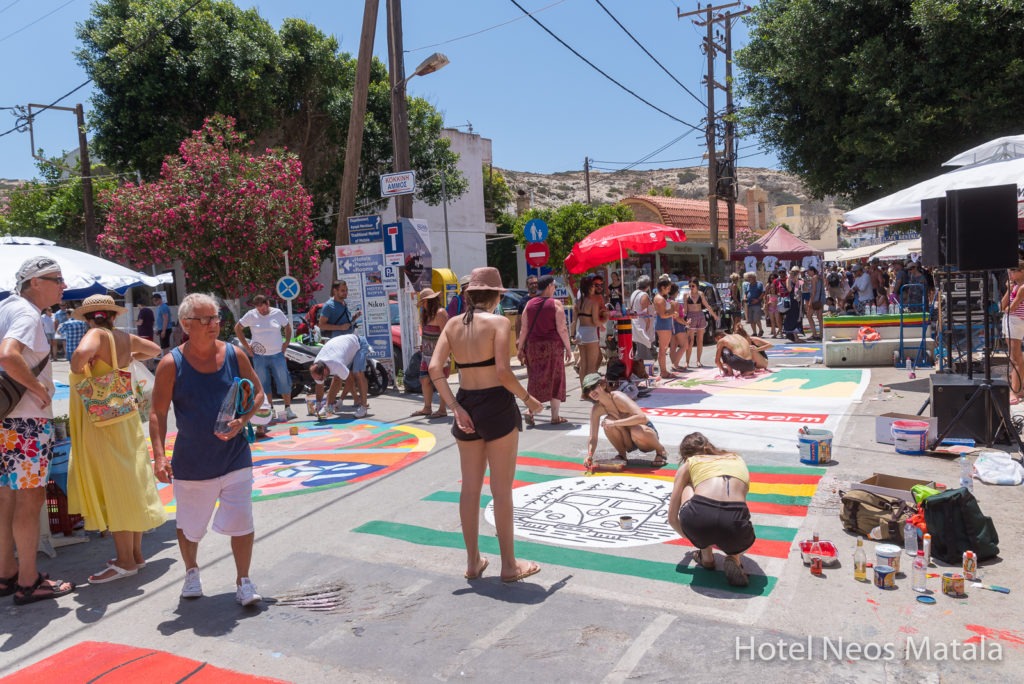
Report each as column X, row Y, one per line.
column 926, row 544
column 970, row 566
column 860, row 562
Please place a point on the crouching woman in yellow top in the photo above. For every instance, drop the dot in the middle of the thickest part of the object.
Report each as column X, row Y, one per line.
column 708, row 505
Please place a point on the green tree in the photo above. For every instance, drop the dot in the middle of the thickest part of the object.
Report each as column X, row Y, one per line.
column 159, row 72
column 52, row 207
column 569, row 224
column 860, row 98
column 498, row 196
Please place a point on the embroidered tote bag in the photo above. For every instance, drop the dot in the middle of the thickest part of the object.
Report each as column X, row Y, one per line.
column 108, row 398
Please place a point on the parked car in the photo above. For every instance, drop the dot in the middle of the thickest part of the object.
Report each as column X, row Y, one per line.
column 512, row 298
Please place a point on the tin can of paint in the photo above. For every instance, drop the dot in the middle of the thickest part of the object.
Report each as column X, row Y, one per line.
column 885, row 577
column 888, row 554
column 815, row 566
column 953, row 584
column 293, row 430
column 626, row 522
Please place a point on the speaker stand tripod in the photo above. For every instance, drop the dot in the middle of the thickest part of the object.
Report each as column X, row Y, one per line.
column 984, row 392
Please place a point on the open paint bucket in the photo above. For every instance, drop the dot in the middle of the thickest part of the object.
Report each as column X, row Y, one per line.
column 910, row 436
column 885, row 577
column 888, row 554
column 815, row 446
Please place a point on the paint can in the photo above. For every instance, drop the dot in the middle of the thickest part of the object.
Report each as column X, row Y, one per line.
column 888, row 554
column 626, row 522
column 816, row 566
column 815, row 446
column 310, row 406
column 885, row 577
column 910, row 437
column 293, row 430
column 953, row 584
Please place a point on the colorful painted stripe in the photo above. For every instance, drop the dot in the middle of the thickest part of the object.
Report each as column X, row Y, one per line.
column 760, row 585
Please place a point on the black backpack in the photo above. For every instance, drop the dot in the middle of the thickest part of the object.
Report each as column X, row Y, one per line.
column 834, row 279
column 957, row 524
column 411, row 377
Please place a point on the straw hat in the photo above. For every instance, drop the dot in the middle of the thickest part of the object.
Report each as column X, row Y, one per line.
column 484, row 278
column 97, row 302
column 426, row 293
column 463, row 280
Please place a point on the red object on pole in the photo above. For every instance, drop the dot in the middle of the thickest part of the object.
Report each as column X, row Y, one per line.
column 537, row 254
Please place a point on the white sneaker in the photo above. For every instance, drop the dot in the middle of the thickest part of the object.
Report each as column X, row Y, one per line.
column 289, row 414
column 360, row 411
column 246, row 594
column 193, row 587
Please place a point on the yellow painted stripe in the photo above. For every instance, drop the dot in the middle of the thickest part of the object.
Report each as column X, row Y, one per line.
column 784, row 489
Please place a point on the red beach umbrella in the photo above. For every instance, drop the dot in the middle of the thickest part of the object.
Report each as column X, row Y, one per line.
column 613, row 241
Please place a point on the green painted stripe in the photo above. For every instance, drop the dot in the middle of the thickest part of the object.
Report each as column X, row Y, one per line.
column 760, row 585
column 786, row 470
column 527, row 476
column 780, row 499
column 550, row 457
column 773, row 532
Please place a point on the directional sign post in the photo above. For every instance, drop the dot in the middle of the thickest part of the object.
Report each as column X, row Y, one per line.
column 401, row 183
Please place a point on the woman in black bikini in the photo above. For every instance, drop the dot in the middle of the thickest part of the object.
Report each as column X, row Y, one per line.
column 624, row 423
column 591, row 317
column 696, row 320
column 487, row 418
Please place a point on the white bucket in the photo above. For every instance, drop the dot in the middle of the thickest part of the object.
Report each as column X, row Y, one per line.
column 815, row 446
column 910, row 436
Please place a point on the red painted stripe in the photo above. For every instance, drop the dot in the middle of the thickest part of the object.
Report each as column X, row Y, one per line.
column 761, row 547
column 546, row 463
column 776, row 509
column 766, row 478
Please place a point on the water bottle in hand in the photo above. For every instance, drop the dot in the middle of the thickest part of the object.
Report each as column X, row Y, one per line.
column 966, row 473
column 226, row 414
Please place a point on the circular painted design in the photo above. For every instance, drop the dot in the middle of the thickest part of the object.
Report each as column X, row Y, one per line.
column 323, row 455
column 585, row 511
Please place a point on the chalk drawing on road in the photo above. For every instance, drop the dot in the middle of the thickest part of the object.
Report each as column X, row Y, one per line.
column 325, row 455
column 585, row 511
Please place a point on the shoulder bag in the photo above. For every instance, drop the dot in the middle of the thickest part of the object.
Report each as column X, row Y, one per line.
column 12, row 391
column 108, row 398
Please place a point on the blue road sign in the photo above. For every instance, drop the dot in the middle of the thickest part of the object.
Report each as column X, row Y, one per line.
column 288, row 288
column 393, row 242
column 363, row 229
column 535, row 230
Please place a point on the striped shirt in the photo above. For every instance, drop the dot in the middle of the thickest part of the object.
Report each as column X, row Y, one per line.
column 1019, row 311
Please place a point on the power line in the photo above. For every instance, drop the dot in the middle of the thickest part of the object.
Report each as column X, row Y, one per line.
column 4, row 9
column 658, row 161
column 141, row 44
column 599, row 70
column 34, row 22
column 644, row 158
column 647, row 52
column 485, row 30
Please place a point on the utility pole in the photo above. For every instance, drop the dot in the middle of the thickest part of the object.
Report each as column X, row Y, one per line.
column 356, row 120
column 89, row 213
column 586, row 176
column 711, row 50
column 399, row 107
column 731, row 185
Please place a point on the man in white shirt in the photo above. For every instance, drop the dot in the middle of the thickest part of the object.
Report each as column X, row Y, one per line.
column 862, row 286
column 267, row 347
column 340, row 357
column 641, row 304
column 26, row 433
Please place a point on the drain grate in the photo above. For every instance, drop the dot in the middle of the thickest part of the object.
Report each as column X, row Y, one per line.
column 325, row 599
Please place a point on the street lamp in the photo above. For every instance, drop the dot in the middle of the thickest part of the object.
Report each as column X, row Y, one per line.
column 431, row 64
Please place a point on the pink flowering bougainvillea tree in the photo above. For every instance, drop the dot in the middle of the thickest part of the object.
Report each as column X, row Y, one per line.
column 227, row 214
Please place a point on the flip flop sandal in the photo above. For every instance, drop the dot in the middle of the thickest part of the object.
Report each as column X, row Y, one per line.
column 10, row 585
column 437, row 414
column 26, row 595
column 559, row 421
column 699, row 558
column 119, row 573
column 734, row 573
column 529, row 420
column 483, row 566
column 138, row 566
column 659, row 461
column 532, row 569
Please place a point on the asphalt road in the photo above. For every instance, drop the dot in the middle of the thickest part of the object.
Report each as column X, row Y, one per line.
column 364, row 583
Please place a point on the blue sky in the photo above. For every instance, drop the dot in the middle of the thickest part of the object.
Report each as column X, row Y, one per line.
column 541, row 105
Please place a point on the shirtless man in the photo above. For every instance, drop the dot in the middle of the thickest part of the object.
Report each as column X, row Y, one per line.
column 738, row 353
column 624, row 424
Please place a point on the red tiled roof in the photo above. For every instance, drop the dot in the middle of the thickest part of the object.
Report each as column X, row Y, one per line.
column 686, row 213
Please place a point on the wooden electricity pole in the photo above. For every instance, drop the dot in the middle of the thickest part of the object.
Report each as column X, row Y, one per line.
column 356, row 120
column 399, row 107
column 586, row 177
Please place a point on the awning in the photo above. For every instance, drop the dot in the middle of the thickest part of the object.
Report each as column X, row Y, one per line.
column 856, row 253
column 900, row 250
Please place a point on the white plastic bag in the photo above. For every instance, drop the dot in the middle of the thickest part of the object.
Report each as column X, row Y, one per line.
column 264, row 414
column 998, row 467
column 142, row 385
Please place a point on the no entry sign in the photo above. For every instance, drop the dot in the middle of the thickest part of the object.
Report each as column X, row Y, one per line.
column 537, row 254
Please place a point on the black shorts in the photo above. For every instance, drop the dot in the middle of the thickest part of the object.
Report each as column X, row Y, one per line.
column 165, row 339
column 725, row 524
column 494, row 411
column 737, row 363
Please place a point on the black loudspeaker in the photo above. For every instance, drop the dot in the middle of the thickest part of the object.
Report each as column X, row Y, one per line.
column 981, row 421
column 934, row 250
column 982, row 228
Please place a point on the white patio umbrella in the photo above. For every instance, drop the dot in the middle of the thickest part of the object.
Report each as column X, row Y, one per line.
column 905, row 205
column 1000, row 149
column 84, row 274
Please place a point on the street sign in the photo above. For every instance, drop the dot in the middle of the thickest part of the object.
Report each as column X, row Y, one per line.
column 362, row 229
column 401, row 183
column 393, row 242
column 537, row 253
column 288, row 288
column 535, row 230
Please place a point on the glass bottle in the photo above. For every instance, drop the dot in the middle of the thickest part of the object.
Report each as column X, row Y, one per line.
column 860, row 562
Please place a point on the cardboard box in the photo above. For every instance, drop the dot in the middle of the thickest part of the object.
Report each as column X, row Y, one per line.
column 883, row 426
column 890, row 485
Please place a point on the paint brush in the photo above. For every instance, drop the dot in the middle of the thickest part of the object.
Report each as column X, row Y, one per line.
column 991, row 587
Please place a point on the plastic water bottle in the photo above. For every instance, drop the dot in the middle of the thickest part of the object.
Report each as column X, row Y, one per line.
column 966, row 473
column 860, row 562
column 910, row 538
column 226, row 414
column 919, row 580
column 880, row 394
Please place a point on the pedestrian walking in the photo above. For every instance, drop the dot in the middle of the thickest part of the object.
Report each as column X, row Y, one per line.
column 271, row 330
column 432, row 321
column 544, row 348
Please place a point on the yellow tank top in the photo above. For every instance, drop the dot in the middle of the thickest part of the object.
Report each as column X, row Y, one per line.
column 706, row 467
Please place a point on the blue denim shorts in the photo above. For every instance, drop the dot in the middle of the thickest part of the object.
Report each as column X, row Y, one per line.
column 359, row 360
column 274, row 366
